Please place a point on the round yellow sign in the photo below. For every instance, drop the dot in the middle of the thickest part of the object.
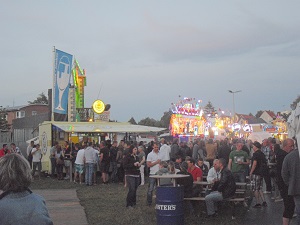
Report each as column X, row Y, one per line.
column 98, row 106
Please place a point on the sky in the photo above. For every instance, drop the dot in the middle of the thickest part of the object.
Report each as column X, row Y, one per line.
column 140, row 56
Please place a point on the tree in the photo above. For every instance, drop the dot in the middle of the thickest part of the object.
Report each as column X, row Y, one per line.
column 4, row 126
column 165, row 119
column 294, row 104
column 209, row 108
column 132, row 121
column 148, row 122
column 285, row 115
column 41, row 99
column 259, row 113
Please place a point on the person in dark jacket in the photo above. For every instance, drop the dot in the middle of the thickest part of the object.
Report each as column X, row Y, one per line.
column 186, row 182
column 132, row 173
column 174, row 150
column 224, row 150
column 222, row 189
column 288, row 200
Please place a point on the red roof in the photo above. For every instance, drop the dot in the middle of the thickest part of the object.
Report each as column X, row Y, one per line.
column 271, row 114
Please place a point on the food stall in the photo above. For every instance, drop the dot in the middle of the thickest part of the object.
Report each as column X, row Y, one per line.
column 50, row 131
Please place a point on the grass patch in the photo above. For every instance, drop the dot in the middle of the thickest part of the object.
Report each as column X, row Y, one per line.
column 105, row 204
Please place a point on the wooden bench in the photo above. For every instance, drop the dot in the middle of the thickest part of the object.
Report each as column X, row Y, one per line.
column 240, row 195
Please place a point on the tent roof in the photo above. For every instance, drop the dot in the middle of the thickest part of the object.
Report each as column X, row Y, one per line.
column 259, row 136
column 106, row 127
column 35, row 139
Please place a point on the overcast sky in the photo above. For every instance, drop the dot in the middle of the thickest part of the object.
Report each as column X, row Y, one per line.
column 141, row 55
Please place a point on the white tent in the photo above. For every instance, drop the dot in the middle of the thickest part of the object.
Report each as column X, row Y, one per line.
column 35, row 139
column 294, row 125
column 259, row 136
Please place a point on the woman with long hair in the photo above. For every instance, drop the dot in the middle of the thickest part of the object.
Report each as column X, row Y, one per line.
column 132, row 175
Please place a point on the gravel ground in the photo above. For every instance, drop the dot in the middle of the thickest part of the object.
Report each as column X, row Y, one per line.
column 105, row 204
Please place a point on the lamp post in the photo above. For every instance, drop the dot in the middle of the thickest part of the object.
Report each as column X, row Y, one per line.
column 233, row 92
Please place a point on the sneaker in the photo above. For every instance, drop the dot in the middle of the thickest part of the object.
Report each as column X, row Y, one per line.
column 267, row 192
column 257, row 206
column 264, row 204
column 278, row 199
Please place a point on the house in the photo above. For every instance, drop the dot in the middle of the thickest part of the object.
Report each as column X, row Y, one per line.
column 17, row 112
column 256, row 123
column 23, row 121
column 268, row 116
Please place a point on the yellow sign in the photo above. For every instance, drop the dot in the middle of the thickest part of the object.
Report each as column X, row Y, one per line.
column 98, row 106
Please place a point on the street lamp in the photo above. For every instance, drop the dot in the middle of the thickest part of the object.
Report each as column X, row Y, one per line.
column 233, row 92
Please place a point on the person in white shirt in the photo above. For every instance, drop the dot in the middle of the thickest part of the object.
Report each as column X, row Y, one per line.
column 213, row 173
column 36, row 159
column 164, row 150
column 153, row 160
column 89, row 157
column 79, row 166
column 96, row 163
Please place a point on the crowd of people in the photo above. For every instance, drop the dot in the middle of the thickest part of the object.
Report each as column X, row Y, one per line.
column 221, row 163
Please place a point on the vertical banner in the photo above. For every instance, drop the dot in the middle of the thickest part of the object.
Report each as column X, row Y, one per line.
column 61, row 81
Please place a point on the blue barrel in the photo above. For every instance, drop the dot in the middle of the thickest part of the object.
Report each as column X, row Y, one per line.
column 169, row 205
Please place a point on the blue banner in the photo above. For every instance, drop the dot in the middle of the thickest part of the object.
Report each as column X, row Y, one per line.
column 61, row 81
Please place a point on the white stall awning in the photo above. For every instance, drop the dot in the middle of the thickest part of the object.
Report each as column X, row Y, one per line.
column 105, row 127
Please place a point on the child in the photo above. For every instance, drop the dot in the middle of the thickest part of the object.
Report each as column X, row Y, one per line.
column 163, row 170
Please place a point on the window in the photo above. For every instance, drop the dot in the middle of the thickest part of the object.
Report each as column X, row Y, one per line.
column 34, row 113
column 20, row 114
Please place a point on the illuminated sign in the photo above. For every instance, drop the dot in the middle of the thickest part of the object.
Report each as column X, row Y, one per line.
column 247, row 128
column 79, row 79
column 236, row 127
column 187, row 106
column 98, row 106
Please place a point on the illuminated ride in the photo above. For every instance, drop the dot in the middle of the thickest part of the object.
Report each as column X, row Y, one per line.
column 187, row 118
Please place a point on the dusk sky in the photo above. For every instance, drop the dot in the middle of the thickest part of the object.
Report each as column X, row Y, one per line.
column 141, row 55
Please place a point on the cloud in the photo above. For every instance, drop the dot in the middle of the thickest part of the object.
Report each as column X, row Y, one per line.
column 182, row 41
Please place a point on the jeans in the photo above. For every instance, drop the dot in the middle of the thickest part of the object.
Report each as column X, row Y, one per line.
column 53, row 165
column 89, row 169
column 210, row 200
column 267, row 178
column 239, row 177
column 38, row 165
column 132, row 183
column 114, row 170
column 142, row 171
column 151, row 187
column 297, row 204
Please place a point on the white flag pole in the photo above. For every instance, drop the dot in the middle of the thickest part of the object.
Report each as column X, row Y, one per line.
column 53, row 86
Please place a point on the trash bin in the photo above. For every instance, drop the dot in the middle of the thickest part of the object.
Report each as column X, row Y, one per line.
column 169, row 205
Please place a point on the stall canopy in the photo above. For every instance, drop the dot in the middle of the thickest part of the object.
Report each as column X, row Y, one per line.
column 104, row 127
column 259, row 136
column 35, row 139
